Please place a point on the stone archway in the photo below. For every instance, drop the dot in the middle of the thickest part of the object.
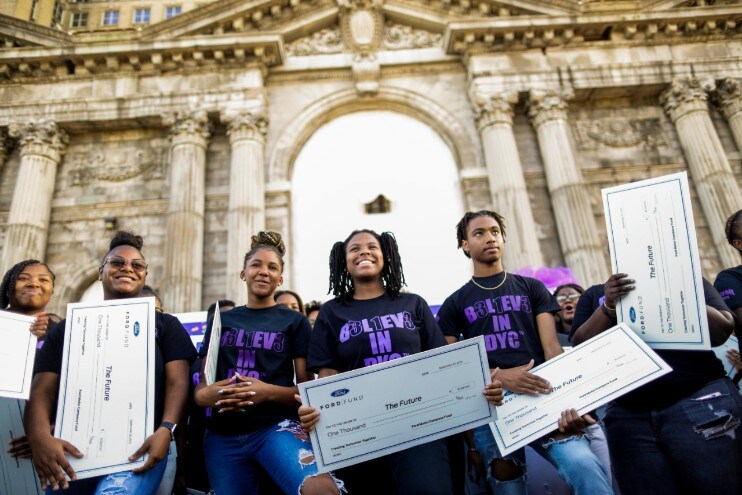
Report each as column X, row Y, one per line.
column 464, row 147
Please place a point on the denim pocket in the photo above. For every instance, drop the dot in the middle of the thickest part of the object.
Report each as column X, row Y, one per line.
column 713, row 415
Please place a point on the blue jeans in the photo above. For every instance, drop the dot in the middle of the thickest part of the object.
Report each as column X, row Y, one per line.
column 572, row 457
column 125, row 482
column 692, row 446
column 168, row 477
column 283, row 450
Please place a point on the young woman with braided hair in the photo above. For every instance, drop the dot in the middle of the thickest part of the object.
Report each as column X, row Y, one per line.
column 368, row 322
column 254, row 421
column 26, row 289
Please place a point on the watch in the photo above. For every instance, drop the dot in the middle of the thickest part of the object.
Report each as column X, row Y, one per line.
column 170, row 426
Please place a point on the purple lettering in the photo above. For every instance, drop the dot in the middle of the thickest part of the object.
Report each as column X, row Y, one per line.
column 398, row 319
column 278, row 342
column 258, row 339
column 470, row 314
column 386, row 321
column 384, row 341
column 268, row 339
column 505, row 301
column 513, row 340
column 366, row 327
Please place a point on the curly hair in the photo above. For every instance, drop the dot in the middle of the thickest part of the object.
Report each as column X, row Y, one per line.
column 392, row 275
column 462, row 227
column 266, row 240
column 125, row 238
column 7, row 287
column 731, row 228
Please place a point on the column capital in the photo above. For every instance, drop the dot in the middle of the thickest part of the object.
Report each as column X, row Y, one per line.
column 550, row 104
column 687, row 95
column 40, row 137
column 245, row 125
column 493, row 108
column 188, row 126
column 729, row 97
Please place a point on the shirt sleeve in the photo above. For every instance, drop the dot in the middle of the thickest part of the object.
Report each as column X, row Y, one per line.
column 303, row 332
column 430, row 333
column 49, row 357
column 323, row 344
column 713, row 298
column 730, row 288
column 448, row 318
column 175, row 343
column 542, row 301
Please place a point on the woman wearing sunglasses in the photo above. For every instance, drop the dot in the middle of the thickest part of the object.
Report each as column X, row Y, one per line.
column 123, row 273
column 566, row 296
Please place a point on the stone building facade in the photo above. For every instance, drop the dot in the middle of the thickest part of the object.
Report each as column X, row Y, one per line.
column 186, row 130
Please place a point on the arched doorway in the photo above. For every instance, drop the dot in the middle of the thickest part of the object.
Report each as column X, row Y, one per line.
column 351, row 161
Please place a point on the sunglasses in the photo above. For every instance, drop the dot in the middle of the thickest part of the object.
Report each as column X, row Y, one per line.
column 567, row 297
column 119, row 263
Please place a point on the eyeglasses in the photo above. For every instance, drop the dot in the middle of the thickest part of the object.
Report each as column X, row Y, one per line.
column 119, row 263
column 567, row 297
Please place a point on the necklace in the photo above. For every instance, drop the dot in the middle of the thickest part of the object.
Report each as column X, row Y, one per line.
column 491, row 288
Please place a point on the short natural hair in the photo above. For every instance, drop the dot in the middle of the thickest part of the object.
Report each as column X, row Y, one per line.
column 463, row 226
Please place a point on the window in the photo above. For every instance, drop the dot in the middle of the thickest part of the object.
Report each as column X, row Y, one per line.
column 172, row 11
column 111, row 18
column 141, row 16
column 34, row 8
column 79, row 19
column 58, row 11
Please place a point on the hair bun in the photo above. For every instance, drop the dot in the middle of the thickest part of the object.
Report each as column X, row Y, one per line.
column 124, row 238
column 269, row 238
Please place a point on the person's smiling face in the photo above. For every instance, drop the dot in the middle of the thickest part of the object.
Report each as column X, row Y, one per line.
column 123, row 273
column 33, row 289
column 363, row 257
column 262, row 273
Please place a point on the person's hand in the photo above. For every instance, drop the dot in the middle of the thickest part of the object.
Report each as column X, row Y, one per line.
column 308, row 416
column 572, row 423
column 520, row 381
column 50, row 461
column 157, row 445
column 616, row 287
column 243, row 393
column 40, row 325
column 476, row 465
column 19, row 447
column 493, row 391
column 734, row 358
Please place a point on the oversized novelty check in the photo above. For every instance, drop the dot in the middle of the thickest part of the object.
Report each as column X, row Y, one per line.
column 106, row 392
column 17, row 476
column 382, row 409
column 721, row 354
column 590, row 375
column 16, row 355
column 212, row 355
column 652, row 238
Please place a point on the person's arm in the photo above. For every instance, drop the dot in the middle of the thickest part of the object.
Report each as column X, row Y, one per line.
column 49, row 456
column 721, row 325
column 309, row 416
column 176, row 395
column 547, row 333
column 616, row 287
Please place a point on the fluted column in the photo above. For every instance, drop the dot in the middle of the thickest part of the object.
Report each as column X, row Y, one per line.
column 569, row 200
column 189, row 134
column 42, row 144
column 729, row 98
column 246, row 213
column 686, row 103
column 494, row 115
column 4, row 145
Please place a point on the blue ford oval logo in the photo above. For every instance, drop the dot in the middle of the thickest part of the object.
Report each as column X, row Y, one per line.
column 136, row 329
column 632, row 314
column 340, row 392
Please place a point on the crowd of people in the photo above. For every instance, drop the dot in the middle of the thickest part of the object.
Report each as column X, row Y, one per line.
column 248, row 432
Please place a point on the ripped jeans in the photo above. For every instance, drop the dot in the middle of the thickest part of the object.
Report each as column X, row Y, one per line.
column 572, row 457
column 283, row 450
column 693, row 446
column 125, row 482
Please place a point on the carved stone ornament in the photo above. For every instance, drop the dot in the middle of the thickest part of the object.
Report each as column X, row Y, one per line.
column 686, row 95
column 401, row 37
column 366, row 74
column 328, row 40
column 253, row 125
column 120, row 166
column 592, row 135
column 545, row 105
column 188, row 122
column 492, row 109
column 43, row 133
column 361, row 24
column 729, row 96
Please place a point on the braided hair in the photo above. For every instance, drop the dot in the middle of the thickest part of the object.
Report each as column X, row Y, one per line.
column 7, row 287
column 124, row 238
column 463, row 226
column 731, row 228
column 266, row 240
column 392, row 275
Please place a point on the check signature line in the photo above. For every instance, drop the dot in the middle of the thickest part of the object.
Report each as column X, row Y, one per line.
column 446, row 368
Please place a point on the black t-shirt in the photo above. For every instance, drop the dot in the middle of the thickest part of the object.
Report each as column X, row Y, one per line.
column 729, row 284
column 359, row 333
column 258, row 343
column 691, row 370
column 505, row 316
column 172, row 343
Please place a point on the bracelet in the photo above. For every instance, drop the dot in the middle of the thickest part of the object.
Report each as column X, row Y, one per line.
column 608, row 307
column 473, row 449
column 607, row 311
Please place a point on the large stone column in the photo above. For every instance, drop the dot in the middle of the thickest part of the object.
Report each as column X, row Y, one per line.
column 494, row 114
column 729, row 98
column 246, row 213
column 685, row 102
column 569, row 200
column 182, row 285
column 42, row 144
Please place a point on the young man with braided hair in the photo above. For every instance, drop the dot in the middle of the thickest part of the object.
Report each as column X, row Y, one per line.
column 515, row 315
